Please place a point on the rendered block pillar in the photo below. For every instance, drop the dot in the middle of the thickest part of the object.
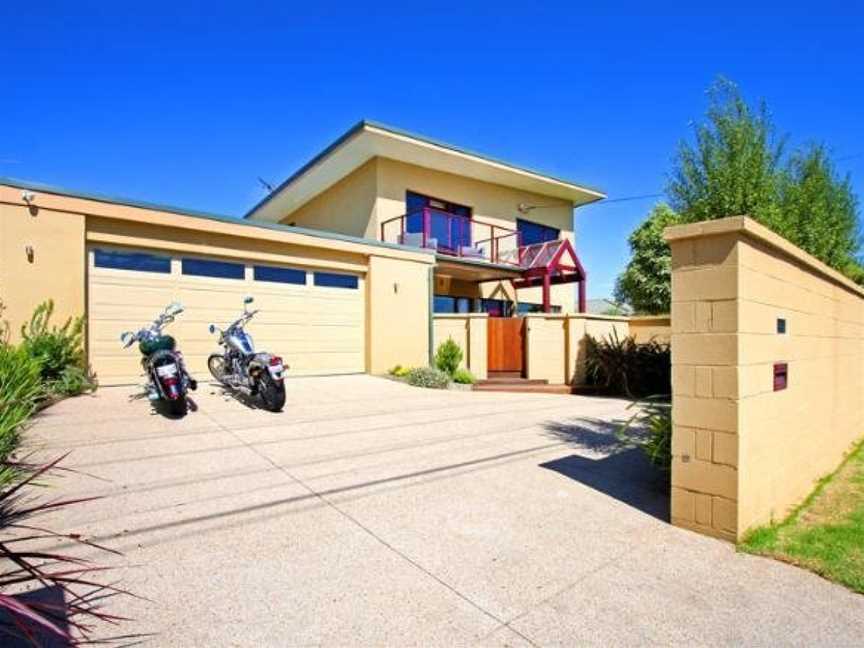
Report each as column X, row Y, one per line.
column 705, row 400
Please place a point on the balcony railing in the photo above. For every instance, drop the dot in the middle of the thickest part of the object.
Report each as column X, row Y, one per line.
column 455, row 235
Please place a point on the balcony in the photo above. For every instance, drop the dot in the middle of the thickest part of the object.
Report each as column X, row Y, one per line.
column 542, row 264
column 454, row 235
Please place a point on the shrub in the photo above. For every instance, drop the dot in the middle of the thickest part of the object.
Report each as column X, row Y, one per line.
column 428, row 377
column 20, row 389
column 620, row 366
column 653, row 419
column 399, row 371
column 58, row 350
column 448, row 356
column 464, row 377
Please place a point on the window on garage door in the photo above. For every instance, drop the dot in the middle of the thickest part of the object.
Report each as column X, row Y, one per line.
column 334, row 280
column 138, row 261
column 210, row 268
column 279, row 275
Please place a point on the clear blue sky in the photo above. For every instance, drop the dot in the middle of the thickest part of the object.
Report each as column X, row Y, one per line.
column 188, row 106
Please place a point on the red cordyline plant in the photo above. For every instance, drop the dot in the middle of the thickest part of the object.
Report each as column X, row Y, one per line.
column 45, row 597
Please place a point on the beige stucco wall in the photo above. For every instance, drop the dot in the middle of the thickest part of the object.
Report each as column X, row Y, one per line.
column 58, row 262
column 744, row 454
column 347, row 207
column 597, row 326
column 645, row 328
column 555, row 345
column 470, row 332
column 397, row 314
column 397, row 279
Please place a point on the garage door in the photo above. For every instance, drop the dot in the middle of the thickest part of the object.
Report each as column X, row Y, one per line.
column 313, row 318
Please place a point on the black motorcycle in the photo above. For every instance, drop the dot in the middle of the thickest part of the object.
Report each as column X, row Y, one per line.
column 240, row 368
column 167, row 378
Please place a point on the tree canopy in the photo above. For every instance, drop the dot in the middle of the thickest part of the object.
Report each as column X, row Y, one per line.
column 736, row 166
column 646, row 282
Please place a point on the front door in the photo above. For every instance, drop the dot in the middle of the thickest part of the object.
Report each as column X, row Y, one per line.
column 506, row 344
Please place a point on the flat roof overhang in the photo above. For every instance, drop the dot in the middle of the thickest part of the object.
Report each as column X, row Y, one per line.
column 367, row 140
column 474, row 270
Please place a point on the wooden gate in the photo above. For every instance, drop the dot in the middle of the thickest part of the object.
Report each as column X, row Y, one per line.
column 506, row 345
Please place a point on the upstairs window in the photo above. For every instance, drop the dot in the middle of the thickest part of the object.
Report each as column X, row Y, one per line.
column 531, row 232
column 449, row 223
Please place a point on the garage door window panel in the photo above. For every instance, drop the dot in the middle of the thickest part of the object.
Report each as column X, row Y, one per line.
column 279, row 275
column 214, row 269
column 136, row 261
column 333, row 280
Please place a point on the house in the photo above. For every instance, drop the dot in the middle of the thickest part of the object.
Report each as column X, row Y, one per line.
column 348, row 259
column 477, row 213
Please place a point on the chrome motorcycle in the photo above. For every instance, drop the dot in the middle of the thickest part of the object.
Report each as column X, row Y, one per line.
column 241, row 368
column 167, row 378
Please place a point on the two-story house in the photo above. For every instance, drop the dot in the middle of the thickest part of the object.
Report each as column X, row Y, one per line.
column 349, row 259
column 500, row 232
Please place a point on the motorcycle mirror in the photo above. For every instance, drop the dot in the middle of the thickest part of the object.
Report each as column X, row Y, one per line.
column 174, row 308
column 248, row 299
column 126, row 338
column 212, row 328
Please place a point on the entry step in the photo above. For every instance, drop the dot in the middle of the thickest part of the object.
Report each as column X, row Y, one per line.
column 513, row 382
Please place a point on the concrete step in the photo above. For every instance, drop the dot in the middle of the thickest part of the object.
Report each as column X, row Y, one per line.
column 512, row 381
column 542, row 388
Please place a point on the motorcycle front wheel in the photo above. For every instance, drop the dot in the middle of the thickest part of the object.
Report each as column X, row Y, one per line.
column 216, row 365
column 272, row 393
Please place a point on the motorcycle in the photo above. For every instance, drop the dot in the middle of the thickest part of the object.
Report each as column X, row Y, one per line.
column 241, row 368
column 167, row 378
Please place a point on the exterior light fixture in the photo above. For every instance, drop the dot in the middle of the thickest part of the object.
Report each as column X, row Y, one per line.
column 525, row 208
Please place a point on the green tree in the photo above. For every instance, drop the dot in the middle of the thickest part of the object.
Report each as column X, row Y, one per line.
column 732, row 168
column 735, row 166
column 646, row 282
column 819, row 208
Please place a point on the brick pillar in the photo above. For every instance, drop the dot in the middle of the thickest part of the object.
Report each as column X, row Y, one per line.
column 704, row 380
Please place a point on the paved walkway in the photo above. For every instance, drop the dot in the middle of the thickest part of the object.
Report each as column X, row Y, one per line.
column 373, row 513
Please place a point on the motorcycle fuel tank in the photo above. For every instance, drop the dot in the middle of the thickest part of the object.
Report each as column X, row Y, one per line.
column 241, row 341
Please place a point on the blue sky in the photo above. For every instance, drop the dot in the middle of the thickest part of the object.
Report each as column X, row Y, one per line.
column 188, row 105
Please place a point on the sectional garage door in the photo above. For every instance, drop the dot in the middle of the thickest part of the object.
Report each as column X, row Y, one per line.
column 313, row 318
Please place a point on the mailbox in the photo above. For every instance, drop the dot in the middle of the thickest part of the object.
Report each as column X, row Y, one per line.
column 781, row 376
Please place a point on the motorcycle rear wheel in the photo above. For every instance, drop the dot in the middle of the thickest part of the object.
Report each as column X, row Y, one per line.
column 216, row 365
column 178, row 407
column 272, row 393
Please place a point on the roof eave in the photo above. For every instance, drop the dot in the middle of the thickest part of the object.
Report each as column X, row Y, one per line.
column 582, row 194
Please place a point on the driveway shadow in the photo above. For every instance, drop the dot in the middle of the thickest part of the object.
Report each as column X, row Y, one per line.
column 610, row 466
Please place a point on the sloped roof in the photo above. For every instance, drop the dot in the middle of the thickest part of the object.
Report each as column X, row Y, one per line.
column 369, row 139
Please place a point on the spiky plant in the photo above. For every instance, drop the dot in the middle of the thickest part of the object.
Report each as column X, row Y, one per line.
column 24, row 567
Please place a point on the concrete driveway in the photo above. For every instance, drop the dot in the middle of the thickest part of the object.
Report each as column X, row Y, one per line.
column 373, row 513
